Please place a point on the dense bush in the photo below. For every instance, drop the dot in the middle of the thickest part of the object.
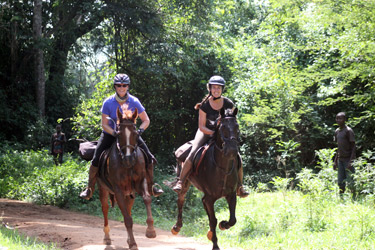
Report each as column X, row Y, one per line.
column 32, row 175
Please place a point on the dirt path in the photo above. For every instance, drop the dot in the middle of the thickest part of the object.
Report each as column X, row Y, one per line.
column 70, row 230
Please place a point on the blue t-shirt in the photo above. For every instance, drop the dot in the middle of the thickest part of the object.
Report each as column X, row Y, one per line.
column 110, row 106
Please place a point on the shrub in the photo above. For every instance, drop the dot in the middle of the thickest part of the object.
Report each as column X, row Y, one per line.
column 32, row 175
column 364, row 176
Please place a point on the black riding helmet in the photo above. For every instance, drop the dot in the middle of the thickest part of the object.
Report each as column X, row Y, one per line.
column 121, row 78
column 216, row 80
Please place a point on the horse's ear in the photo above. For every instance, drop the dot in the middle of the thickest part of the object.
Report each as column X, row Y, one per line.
column 135, row 114
column 119, row 115
column 222, row 112
column 235, row 111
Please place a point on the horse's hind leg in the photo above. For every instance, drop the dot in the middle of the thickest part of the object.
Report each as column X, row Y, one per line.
column 180, row 204
column 150, row 231
column 232, row 201
column 208, row 203
column 103, row 195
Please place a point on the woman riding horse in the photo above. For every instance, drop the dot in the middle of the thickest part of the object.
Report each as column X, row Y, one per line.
column 209, row 110
column 121, row 97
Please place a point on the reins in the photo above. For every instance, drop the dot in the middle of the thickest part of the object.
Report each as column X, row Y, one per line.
column 221, row 149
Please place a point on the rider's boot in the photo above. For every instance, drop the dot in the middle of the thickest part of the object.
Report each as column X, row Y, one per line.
column 186, row 167
column 154, row 188
column 241, row 192
column 88, row 192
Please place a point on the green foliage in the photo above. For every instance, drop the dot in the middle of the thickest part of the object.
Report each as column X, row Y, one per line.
column 323, row 182
column 364, row 176
column 32, row 175
column 38, row 135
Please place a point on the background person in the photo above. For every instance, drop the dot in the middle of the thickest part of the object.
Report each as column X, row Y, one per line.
column 58, row 140
column 344, row 136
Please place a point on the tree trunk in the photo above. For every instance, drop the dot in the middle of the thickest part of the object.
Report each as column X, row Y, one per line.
column 39, row 59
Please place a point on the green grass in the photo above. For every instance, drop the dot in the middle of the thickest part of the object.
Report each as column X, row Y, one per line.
column 289, row 221
column 278, row 220
column 11, row 240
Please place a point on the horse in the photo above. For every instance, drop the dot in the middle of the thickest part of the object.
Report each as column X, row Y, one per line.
column 215, row 173
column 122, row 173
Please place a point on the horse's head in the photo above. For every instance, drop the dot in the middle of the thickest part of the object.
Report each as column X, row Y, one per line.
column 128, row 135
column 227, row 132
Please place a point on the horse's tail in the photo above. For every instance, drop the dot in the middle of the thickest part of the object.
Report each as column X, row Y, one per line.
column 177, row 169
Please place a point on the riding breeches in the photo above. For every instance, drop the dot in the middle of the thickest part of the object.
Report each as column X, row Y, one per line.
column 105, row 141
column 199, row 140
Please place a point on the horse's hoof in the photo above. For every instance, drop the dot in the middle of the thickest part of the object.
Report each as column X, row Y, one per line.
column 150, row 233
column 107, row 242
column 134, row 247
column 174, row 230
column 221, row 226
column 209, row 235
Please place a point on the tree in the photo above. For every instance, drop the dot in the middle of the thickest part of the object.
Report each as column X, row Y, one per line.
column 39, row 59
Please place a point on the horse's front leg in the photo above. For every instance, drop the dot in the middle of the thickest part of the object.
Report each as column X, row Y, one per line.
column 208, row 203
column 128, row 221
column 150, row 231
column 180, row 204
column 232, row 202
column 103, row 196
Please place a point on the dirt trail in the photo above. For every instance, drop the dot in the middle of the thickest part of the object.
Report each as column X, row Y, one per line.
column 71, row 230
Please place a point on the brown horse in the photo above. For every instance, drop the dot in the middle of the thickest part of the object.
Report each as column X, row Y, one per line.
column 216, row 174
column 122, row 173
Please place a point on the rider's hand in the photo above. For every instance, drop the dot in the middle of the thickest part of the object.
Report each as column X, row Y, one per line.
column 140, row 131
column 115, row 133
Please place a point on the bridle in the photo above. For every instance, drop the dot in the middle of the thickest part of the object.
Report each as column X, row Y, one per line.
column 133, row 156
column 224, row 139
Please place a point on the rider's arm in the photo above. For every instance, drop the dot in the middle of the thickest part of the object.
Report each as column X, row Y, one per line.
column 105, row 125
column 145, row 120
column 202, row 123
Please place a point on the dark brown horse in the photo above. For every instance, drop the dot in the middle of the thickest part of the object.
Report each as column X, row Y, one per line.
column 216, row 174
column 122, row 173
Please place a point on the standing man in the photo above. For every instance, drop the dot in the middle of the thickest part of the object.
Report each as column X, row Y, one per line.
column 344, row 136
column 57, row 145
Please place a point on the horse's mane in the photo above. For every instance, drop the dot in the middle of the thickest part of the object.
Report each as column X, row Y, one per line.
column 126, row 113
column 229, row 113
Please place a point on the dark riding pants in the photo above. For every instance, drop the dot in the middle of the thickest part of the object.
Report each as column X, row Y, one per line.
column 106, row 141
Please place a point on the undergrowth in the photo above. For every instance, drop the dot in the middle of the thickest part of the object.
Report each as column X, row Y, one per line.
column 275, row 216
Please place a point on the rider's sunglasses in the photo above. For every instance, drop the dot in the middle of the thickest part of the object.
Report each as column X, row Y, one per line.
column 121, row 85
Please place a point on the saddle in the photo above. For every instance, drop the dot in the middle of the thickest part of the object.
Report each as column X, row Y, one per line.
column 183, row 151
